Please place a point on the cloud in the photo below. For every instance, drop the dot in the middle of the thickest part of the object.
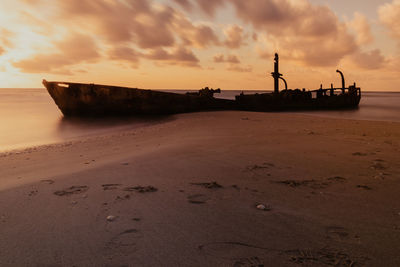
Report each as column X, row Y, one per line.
column 125, row 27
column 369, row 60
column 362, row 28
column 210, row 7
column 200, row 36
column 220, row 58
column 5, row 38
column 235, row 37
column 389, row 15
column 240, row 69
column 178, row 56
column 307, row 33
column 125, row 54
column 77, row 48
column 186, row 4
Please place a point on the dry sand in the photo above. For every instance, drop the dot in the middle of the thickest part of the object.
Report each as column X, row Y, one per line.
column 184, row 193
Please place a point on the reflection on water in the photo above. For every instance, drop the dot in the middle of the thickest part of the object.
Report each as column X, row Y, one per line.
column 379, row 106
column 69, row 128
column 29, row 117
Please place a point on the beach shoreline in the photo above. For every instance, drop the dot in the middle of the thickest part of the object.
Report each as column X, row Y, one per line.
column 184, row 192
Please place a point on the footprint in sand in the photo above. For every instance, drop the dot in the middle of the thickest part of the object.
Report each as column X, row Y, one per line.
column 110, row 186
column 125, row 242
column 337, row 233
column 248, row 262
column 359, row 154
column 365, row 187
column 338, row 179
column 198, row 199
column 141, row 189
column 378, row 165
column 255, row 167
column 325, row 256
column 315, row 184
column 33, row 193
column 239, row 254
column 211, row 185
column 48, row 181
column 72, row 190
column 341, row 234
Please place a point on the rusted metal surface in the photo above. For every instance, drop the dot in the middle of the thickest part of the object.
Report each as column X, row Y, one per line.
column 78, row 99
column 289, row 99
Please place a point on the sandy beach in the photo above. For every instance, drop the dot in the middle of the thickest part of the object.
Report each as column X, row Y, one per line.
column 208, row 189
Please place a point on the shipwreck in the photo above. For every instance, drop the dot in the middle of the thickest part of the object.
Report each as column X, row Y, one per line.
column 296, row 99
column 80, row 99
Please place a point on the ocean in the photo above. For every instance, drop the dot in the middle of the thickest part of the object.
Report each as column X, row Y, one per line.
column 29, row 117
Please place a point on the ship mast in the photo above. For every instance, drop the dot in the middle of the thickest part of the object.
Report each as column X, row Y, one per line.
column 276, row 74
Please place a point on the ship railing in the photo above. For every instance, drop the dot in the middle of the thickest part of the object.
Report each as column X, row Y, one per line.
column 334, row 91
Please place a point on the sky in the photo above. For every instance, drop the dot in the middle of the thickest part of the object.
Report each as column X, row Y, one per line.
column 190, row 44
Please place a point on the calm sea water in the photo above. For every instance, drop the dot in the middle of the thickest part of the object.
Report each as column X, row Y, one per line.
column 29, row 117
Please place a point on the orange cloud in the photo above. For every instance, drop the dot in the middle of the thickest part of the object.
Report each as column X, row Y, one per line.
column 220, row 58
column 186, row 4
column 5, row 38
column 200, row 36
column 178, row 56
column 124, row 53
column 235, row 37
column 309, row 34
column 240, row 69
column 77, row 48
column 389, row 15
column 362, row 28
column 369, row 60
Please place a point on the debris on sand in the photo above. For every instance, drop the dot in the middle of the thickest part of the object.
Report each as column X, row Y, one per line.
column 141, row 189
column 72, row 190
column 210, row 185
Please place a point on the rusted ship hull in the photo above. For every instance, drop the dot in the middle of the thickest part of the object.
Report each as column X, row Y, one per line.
column 299, row 100
column 288, row 99
column 77, row 99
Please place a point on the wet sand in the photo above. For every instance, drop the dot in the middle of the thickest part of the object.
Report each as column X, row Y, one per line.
column 185, row 193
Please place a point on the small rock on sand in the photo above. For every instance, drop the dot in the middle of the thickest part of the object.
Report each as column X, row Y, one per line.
column 111, row 218
column 263, row 207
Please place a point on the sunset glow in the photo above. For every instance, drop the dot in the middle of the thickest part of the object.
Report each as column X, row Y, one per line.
column 185, row 44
